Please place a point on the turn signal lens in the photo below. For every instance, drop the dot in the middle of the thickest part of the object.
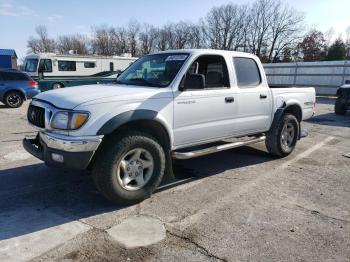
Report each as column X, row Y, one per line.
column 78, row 119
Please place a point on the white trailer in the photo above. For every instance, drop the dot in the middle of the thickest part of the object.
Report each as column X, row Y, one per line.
column 62, row 66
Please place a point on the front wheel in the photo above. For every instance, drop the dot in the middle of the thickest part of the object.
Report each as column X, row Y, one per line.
column 282, row 138
column 129, row 168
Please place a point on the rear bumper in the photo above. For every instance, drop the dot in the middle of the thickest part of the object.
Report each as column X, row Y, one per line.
column 30, row 93
column 63, row 151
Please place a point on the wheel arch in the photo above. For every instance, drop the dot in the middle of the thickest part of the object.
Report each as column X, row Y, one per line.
column 146, row 121
column 292, row 108
column 18, row 90
column 296, row 110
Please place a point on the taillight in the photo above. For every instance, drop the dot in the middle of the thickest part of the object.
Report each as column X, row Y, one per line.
column 33, row 83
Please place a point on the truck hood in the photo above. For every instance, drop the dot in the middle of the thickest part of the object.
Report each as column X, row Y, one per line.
column 71, row 97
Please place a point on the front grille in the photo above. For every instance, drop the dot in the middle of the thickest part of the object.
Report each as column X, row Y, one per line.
column 36, row 116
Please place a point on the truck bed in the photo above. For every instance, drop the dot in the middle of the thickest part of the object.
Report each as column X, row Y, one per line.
column 304, row 96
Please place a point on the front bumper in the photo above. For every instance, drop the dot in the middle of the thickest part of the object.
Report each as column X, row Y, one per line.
column 63, row 151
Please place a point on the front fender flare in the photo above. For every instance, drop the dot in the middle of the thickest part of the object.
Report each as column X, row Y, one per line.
column 126, row 117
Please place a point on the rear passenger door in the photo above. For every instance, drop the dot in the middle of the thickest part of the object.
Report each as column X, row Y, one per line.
column 205, row 114
column 253, row 97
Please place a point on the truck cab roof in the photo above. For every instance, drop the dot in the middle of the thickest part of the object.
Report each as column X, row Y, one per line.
column 208, row 52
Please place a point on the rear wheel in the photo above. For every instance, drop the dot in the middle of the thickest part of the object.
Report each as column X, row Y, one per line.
column 129, row 168
column 13, row 99
column 282, row 138
column 339, row 108
column 57, row 86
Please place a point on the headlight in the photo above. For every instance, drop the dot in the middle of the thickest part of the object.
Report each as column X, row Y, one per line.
column 66, row 120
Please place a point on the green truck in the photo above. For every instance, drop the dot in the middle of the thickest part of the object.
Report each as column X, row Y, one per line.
column 48, row 83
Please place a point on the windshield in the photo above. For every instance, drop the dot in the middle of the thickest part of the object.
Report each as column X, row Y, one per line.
column 157, row 70
column 31, row 65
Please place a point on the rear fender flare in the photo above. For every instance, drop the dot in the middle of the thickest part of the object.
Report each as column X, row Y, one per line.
column 279, row 114
column 13, row 89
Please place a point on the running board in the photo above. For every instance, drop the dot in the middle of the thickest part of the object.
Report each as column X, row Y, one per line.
column 214, row 149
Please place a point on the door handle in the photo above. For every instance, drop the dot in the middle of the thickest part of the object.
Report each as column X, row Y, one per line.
column 262, row 96
column 229, row 99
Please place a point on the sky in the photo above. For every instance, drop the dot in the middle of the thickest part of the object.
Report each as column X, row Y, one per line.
column 18, row 18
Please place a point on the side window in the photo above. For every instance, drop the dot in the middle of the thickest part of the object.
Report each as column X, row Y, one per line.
column 89, row 65
column 12, row 76
column 20, row 77
column 6, row 76
column 111, row 66
column 67, row 66
column 247, row 72
column 45, row 65
column 214, row 69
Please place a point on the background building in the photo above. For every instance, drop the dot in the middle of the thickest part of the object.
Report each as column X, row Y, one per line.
column 8, row 58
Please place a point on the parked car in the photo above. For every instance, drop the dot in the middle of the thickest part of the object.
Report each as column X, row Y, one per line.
column 169, row 105
column 15, row 87
column 342, row 104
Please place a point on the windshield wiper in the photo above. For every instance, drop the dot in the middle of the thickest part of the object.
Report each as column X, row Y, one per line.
column 144, row 81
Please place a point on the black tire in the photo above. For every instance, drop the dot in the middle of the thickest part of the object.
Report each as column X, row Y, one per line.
column 274, row 139
column 339, row 107
column 13, row 99
column 108, row 159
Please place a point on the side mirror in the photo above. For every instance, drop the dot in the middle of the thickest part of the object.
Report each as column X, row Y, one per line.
column 347, row 82
column 194, row 81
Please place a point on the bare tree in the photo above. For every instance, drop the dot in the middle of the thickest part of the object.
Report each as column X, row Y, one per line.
column 286, row 26
column 133, row 30
column 261, row 21
column 101, row 42
column 148, row 39
column 166, row 38
column 224, row 27
column 78, row 43
column 196, row 36
column 267, row 28
column 42, row 43
column 119, row 38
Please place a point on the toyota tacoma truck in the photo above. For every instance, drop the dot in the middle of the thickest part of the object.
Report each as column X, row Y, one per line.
column 168, row 105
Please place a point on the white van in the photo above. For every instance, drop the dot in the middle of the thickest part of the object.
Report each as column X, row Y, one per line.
column 57, row 66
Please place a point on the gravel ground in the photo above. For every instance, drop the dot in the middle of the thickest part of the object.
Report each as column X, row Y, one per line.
column 238, row 205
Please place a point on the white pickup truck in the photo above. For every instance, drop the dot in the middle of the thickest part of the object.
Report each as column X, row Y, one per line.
column 168, row 105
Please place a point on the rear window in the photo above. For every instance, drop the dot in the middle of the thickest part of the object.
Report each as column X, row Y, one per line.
column 67, row 66
column 13, row 76
column 247, row 72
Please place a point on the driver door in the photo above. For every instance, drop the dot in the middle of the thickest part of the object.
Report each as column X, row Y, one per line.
column 205, row 114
